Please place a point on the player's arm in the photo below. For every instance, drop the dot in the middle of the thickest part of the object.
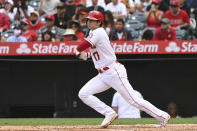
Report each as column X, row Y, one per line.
column 80, row 50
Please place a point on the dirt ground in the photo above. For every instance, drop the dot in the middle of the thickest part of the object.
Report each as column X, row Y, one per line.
column 170, row 127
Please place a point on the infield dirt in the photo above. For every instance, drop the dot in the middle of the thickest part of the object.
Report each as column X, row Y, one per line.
column 140, row 127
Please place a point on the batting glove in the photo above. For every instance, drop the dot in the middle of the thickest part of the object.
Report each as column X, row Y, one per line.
column 81, row 55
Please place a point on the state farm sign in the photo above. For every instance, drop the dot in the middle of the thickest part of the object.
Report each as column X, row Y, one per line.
column 135, row 47
column 189, row 47
column 61, row 48
column 120, row 47
column 45, row 49
column 4, row 50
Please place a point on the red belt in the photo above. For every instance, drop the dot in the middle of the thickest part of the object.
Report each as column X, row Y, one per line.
column 105, row 68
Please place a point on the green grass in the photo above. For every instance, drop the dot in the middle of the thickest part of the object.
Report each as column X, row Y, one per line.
column 86, row 121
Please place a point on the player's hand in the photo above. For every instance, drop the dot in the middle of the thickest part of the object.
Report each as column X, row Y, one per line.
column 81, row 55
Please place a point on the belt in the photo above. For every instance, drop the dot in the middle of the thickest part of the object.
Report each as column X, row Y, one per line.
column 105, row 68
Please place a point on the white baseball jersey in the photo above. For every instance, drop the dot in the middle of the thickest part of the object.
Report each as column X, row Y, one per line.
column 101, row 51
column 116, row 77
column 125, row 110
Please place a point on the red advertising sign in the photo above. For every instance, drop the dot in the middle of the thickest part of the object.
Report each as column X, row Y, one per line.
column 120, row 47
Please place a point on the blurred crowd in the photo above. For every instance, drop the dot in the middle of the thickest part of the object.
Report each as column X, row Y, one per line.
column 124, row 20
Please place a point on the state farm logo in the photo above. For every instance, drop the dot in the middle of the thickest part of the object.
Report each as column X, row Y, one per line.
column 23, row 49
column 172, row 47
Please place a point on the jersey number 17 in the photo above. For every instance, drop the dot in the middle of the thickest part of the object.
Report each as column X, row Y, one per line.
column 96, row 56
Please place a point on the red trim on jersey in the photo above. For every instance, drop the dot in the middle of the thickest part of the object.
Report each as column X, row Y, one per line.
column 83, row 45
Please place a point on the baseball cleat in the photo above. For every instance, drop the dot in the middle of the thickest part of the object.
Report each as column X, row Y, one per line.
column 108, row 120
column 162, row 123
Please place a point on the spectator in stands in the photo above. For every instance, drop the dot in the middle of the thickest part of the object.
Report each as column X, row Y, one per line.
column 2, row 39
column 141, row 5
column 48, row 36
column 61, row 17
column 69, row 35
column 154, row 16
column 83, row 13
column 8, row 10
column 17, row 36
column 183, row 6
column 4, row 22
column 77, row 11
column 34, row 23
column 88, row 3
column 95, row 6
column 147, row 35
column 77, row 2
column 173, row 110
column 193, row 6
column 124, row 109
column 178, row 17
column 29, row 35
column 120, row 32
column 165, row 32
column 70, row 8
column 118, row 9
column 163, row 5
column 22, row 10
column 77, row 28
column 108, row 21
column 48, row 6
column 49, row 26
column 1, row 4
column 130, row 6
column 107, row 2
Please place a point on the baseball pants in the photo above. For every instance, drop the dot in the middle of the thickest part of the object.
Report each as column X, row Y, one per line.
column 115, row 77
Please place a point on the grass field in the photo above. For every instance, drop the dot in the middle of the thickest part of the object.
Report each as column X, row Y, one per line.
column 93, row 124
column 86, row 121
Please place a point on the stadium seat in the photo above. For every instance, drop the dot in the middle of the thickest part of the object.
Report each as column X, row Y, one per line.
column 7, row 33
column 134, row 24
column 181, row 34
column 34, row 4
column 152, row 29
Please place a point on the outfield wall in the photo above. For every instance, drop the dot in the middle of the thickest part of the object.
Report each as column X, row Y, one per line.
column 39, row 86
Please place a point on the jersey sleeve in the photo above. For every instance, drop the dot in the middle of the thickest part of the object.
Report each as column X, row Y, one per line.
column 186, row 18
column 115, row 100
column 124, row 10
column 93, row 37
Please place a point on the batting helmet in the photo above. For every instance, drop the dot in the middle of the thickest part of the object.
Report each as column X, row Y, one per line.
column 95, row 15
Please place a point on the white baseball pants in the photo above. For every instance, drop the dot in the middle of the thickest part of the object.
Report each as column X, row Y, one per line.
column 115, row 77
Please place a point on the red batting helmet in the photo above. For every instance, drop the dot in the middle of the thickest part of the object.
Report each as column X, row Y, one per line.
column 95, row 15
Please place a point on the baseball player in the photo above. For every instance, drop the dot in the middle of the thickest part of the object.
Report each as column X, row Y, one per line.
column 111, row 73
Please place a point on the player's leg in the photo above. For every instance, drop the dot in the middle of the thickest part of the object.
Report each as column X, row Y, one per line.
column 118, row 80
column 94, row 86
